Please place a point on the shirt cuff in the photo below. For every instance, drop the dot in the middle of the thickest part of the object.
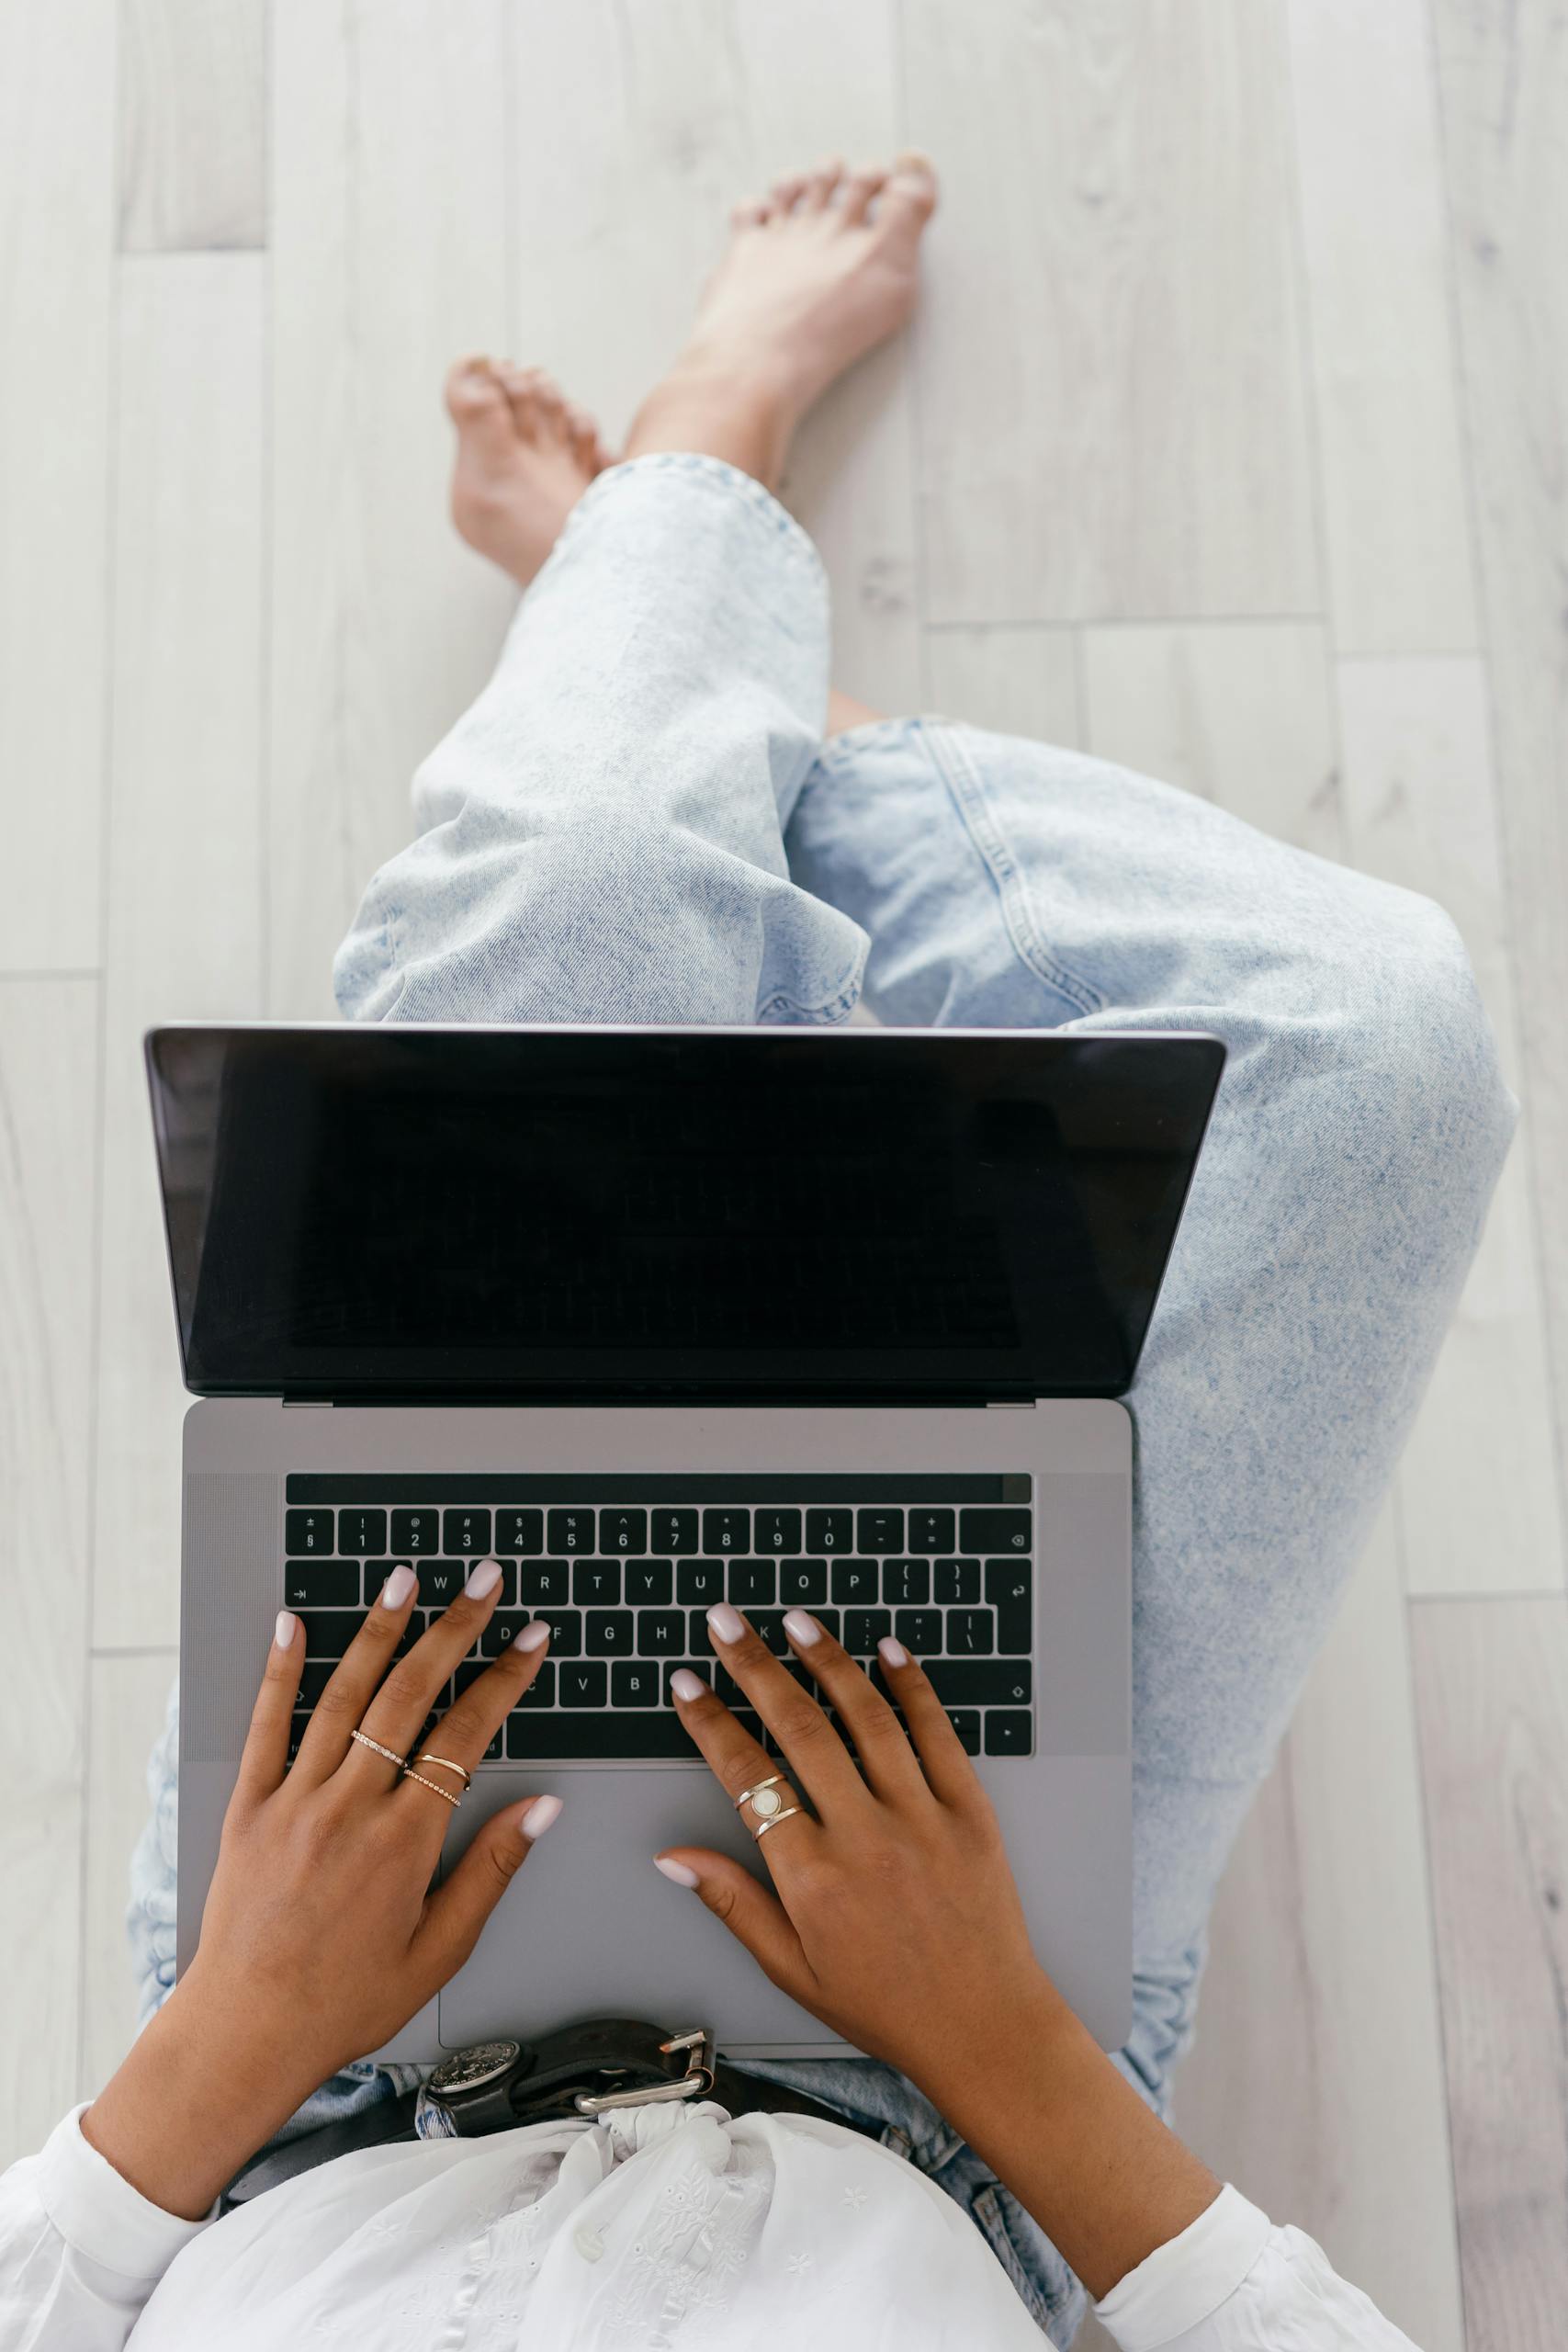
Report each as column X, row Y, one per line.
column 98, row 2213
column 1189, row 2277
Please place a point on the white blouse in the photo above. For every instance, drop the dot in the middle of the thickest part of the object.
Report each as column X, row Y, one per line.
column 653, row 2227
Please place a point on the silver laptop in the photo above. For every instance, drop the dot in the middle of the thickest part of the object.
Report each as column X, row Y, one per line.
column 835, row 1319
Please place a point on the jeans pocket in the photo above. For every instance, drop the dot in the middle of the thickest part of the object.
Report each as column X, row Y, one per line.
column 991, row 2210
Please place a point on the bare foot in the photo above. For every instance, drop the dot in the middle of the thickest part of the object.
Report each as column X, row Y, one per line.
column 821, row 270
column 525, row 455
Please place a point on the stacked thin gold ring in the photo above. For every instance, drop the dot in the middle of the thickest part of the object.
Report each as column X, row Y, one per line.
column 769, row 1809
column 435, row 1786
column 390, row 1754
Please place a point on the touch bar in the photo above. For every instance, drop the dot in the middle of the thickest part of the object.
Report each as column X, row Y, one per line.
column 696, row 1486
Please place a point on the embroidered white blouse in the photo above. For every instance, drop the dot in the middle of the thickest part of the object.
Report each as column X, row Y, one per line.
column 654, row 2227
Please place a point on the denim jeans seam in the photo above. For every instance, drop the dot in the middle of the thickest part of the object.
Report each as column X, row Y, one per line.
column 968, row 792
column 742, row 487
column 1021, row 2268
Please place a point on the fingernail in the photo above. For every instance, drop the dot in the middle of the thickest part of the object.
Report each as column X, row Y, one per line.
column 398, row 1587
column 539, row 1817
column 892, row 1653
column 284, row 1630
column 535, row 1634
column 801, row 1628
column 687, row 1685
column 726, row 1623
column 483, row 1578
column 676, row 1871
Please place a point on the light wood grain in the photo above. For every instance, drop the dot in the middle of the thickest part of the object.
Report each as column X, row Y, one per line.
column 1018, row 681
column 183, row 935
column 389, row 263
column 1316, row 2083
column 1503, row 78
column 1374, row 234
column 1111, row 372
column 48, row 1071
column 1492, row 1688
column 1239, row 711
column 127, row 1694
column 1421, row 810
column 192, row 125
column 56, row 235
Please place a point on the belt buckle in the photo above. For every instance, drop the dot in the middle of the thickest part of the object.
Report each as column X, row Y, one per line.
column 696, row 2083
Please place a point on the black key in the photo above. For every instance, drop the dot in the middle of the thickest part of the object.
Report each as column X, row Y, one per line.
column 727, row 1531
column 966, row 1722
column 728, row 1690
column 971, row 1633
column 981, row 1682
column 699, row 1641
column 313, row 1680
column 699, row 1583
column 777, row 1530
column 623, row 1531
column 701, row 1667
column 596, row 1580
column 931, row 1531
column 361, row 1531
column 674, row 1530
column 322, row 1584
column 535, row 1738
column 416, row 1531
column 907, row 1581
column 520, row 1531
column 863, row 1628
column 544, row 1584
column 1008, row 1588
column 308, row 1531
column 541, row 1691
column 769, row 1627
column 803, row 1584
column 298, row 1728
column 566, row 1630
column 828, row 1620
column 440, row 1581
column 1008, row 1732
column 466, row 1531
column 572, row 1531
column 955, row 1580
column 919, row 1629
column 328, row 1633
column 879, row 1530
column 753, row 1584
column 634, row 1686
column 503, row 1631
column 417, row 1621
column 980, row 1530
column 469, row 1671
column 649, row 1583
column 854, row 1581
column 609, row 1633
column 584, row 1684
column 661, row 1632
column 753, row 1724
column 829, row 1531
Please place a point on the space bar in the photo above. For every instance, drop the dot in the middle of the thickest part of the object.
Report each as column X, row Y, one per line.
column 539, row 1739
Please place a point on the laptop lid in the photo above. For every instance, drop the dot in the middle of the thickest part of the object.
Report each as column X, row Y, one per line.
column 393, row 1214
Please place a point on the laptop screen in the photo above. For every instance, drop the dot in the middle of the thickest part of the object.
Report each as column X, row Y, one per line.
column 797, row 1214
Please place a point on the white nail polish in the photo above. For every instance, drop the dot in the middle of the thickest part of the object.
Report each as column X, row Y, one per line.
column 287, row 1627
column 535, row 1634
column 802, row 1629
column 892, row 1653
column 483, row 1578
column 726, row 1623
column 398, row 1587
column 687, row 1685
column 539, row 1817
column 678, row 1872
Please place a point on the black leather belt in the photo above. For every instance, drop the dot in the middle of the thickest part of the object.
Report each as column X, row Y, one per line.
column 578, row 2073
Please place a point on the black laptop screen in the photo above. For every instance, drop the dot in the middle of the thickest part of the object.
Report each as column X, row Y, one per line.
column 378, row 1213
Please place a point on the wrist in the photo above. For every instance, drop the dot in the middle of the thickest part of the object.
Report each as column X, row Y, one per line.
column 1018, row 2032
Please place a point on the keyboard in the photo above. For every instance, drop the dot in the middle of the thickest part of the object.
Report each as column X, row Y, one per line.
column 625, row 1570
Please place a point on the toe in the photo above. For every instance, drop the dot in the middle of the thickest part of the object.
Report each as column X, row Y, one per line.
column 472, row 388
column 908, row 197
column 785, row 193
column 818, row 193
column 752, row 212
column 859, row 190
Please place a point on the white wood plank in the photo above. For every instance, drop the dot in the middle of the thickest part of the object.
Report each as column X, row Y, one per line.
column 192, row 125
column 1110, row 373
column 1504, row 79
column 184, row 937
column 56, row 238
column 48, row 1079
column 127, row 1692
column 1018, row 681
column 1239, row 711
column 1377, row 279
column 388, row 261
column 1316, row 2082
column 661, row 119
column 1492, row 1688
column 1479, row 1501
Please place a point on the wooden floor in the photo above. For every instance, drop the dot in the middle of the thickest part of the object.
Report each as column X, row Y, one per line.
column 1232, row 441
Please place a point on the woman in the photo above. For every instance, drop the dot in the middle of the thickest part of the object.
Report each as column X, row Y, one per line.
column 639, row 821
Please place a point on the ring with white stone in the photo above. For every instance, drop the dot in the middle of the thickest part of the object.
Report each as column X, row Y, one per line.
column 769, row 1800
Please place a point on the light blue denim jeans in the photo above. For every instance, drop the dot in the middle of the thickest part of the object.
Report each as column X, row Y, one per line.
column 639, row 821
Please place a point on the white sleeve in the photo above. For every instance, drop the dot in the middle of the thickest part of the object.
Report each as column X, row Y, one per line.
column 1231, row 2282
column 80, row 2249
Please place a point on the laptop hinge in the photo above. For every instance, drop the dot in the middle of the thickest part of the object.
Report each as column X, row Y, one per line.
column 307, row 1404
column 1011, row 1404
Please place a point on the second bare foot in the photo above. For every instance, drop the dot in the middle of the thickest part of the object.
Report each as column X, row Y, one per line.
column 525, row 455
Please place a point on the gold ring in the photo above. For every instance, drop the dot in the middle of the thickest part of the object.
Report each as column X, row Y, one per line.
column 774, row 1780
column 392, row 1758
column 773, row 1821
column 434, row 1786
column 447, row 1766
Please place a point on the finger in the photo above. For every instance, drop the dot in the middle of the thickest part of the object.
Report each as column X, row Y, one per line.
column 342, row 1707
column 754, row 1917
column 464, row 1901
column 265, row 1757
column 816, row 1755
column 950, row 1775
column 416, row 1684
column 467, row 1729
column 739, row 1763
column 889, row 1763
